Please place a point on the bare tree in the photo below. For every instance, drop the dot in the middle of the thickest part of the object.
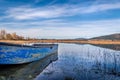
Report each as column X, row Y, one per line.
column 12, row 36
column 2, row 34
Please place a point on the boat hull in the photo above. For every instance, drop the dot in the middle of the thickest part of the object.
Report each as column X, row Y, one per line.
column 19, row 54
column 27, row 71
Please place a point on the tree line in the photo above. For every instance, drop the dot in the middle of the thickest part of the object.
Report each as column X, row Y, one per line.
column 9, row 36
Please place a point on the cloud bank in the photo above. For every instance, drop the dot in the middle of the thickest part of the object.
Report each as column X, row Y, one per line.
column 59, row 29
column 21, row 13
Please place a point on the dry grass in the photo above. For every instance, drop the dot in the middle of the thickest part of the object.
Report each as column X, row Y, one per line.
column 103, row 42
column 62, row 41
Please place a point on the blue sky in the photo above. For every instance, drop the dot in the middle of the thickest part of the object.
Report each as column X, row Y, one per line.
column 60, row 18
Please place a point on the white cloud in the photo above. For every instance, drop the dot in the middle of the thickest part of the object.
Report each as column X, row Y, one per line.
column 64, row 29
column 101, row 7
column 31, row 13
column 21, row 13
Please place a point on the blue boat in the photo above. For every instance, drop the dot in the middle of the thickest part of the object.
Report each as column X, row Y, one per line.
column 27, row 71
column 19, row 54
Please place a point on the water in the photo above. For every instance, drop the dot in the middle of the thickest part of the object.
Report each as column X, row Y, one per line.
column 74, row 62
column 83, row 62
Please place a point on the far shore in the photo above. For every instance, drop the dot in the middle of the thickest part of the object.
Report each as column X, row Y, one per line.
column 117, row 42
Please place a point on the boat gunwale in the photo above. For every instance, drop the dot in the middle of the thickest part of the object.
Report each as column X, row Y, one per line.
column 30, row 46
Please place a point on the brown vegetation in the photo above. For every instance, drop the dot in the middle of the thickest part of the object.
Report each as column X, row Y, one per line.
column 62, row 41
column 7, row 36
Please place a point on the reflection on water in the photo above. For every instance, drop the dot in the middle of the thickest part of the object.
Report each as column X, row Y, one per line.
column 75, row 62
column 83, row 62
column 26, row 71
column 109, row 46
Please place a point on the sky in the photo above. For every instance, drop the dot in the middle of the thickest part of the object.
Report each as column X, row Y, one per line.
column 60, row 19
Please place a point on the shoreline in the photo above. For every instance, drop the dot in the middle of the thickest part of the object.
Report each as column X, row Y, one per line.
column 114, row 42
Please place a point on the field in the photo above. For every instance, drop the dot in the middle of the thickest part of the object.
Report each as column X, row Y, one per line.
column 62, row 41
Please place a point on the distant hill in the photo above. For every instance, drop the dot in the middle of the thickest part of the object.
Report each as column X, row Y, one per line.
column 80, row 39
column 109, row 37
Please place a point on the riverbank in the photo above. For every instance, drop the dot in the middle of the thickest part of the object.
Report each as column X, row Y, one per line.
column 62, row 41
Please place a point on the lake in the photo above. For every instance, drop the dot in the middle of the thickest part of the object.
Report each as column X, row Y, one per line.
column 72, row 62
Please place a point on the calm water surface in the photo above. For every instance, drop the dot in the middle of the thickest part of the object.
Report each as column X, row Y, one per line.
column 73, row 62
column 83, row 62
